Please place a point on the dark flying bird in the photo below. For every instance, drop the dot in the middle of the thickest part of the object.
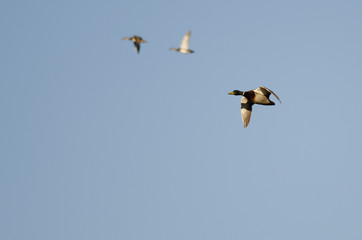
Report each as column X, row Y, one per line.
column 256, row 96
column 136, row 41
column 184, row 47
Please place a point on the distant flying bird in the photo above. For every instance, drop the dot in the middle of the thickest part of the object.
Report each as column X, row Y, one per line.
column 136, row 41
column 256, row 96
column 184, row 47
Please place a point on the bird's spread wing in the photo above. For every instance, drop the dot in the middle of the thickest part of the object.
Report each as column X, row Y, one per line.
column 246, row 108
column 137, row 46
column 185, row 41
column 266, row 92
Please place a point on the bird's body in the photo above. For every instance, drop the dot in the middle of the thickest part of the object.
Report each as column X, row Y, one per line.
column 256, row 96
column 137, row 40
column 184, row 47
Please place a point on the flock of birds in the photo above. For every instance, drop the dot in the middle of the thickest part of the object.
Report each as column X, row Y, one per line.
column 259, row 95
column 184, row 47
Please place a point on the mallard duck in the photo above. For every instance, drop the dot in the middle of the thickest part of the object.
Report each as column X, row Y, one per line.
column 184, row 47
column 256, row 96
column 136, row 41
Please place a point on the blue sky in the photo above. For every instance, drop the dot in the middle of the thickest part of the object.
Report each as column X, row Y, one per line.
column 99, row 142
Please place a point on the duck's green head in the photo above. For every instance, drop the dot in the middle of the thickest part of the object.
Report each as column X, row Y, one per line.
column 236, row 92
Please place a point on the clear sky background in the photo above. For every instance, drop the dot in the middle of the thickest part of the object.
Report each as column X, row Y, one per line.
column 99, row 142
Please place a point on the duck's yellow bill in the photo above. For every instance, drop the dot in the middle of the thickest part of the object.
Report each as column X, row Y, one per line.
column 231, row 93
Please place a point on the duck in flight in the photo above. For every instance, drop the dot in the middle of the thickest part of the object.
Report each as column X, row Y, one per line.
column 184, row 47
column 256, row 96
column 137, row 40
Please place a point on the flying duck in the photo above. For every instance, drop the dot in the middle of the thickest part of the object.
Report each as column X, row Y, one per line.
column 136, row 41
column 184, row 47
column 256, row 96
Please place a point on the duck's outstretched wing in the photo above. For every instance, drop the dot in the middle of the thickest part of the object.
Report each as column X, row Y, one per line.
column 266, row 91
column 185, row 41
column 246, row 108
column 137, row 46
